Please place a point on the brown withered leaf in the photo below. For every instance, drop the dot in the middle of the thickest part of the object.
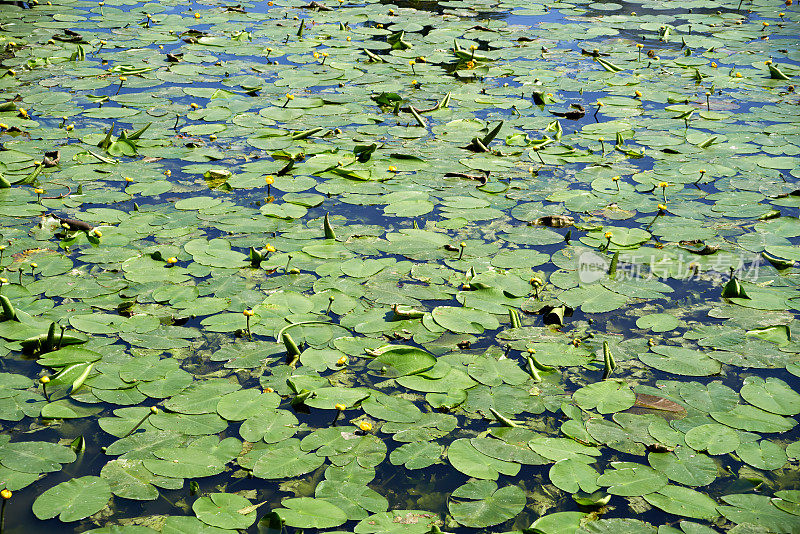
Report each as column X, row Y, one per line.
column 643, row 400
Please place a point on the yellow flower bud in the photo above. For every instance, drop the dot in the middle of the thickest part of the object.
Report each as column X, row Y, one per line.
column 248, row 313
column 173, row 260
column 269, row 179
column 365, row 426
column 340, row 407
column 5, row 494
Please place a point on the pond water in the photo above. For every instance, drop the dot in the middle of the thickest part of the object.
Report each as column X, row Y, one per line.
column 504, row 266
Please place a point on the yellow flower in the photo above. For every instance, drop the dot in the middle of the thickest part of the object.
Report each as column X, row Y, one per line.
column 34, row 265
column 639, row 45
column 662, row 207
column 123, row 78
column 768, row 62
column 3, row 281
column 365, row 426
column 39, row 191
column 738, row 74
column 663, row 184
column 616, row 178
column 168, row 173
column 153, row 410
column 193, row 105
column 173, row 260
column 5, row 494
column 97, row 233
column 212, row 137
column 340, row 407
column 713, row 64
column 69, row 127
column 608, row 235
column 23, row 113
column 269, row 248
column 289, row 96
column 128, row 179
column 348, row 38
column 392, row 168
column 342, row 360
column 269, row 179
column 197, row 15
column 4, row 126
column 44, row 379
column 638, row 94
column 316, row 55
column 248, row 313
column 268, row 390
column 412, row 62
